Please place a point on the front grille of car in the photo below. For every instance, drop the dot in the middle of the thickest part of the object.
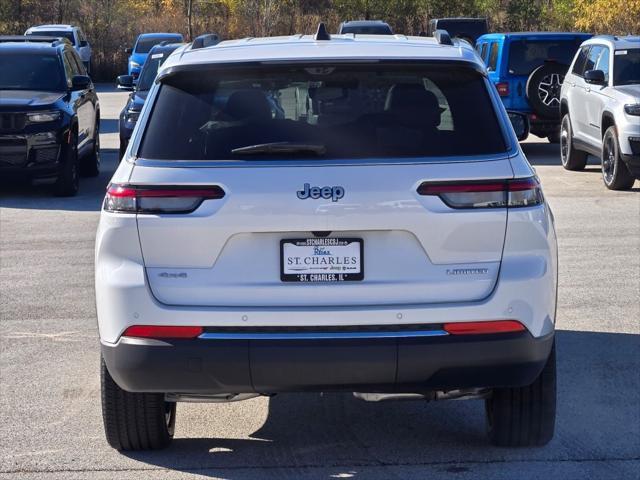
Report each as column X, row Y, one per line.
column 12, row 122
column 13, row 152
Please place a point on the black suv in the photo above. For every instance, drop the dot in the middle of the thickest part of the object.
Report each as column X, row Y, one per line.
column 49, row 114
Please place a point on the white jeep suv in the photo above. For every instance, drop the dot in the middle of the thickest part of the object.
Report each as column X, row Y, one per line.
column 315, row 213
column 600, row 108
column 74, row 34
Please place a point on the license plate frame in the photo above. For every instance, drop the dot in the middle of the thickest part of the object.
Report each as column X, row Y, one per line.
column 326, row 274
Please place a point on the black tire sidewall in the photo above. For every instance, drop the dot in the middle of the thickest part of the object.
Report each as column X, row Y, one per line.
column 68, row 182
column 621, row 178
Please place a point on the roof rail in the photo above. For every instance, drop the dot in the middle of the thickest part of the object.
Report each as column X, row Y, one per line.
column 442, row 37
column 54, row 41
column 609, row 37
column 321, row 33
column 205, row 40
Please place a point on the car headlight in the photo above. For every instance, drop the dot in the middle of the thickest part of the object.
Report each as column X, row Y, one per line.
column 42, row 117
column 134, row 64
column 632, row 109
column 131, row 116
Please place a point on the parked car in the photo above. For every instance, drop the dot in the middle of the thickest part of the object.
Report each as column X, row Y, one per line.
column 49, row 114
column 378, row 239
column 365, row 27
column 468, row 29
column 131, row 111
column 600, row 106
column 144, row 43
column 74, row 34
column 528, row 69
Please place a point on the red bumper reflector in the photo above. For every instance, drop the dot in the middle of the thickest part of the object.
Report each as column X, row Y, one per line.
column 161, row 331
column 478, row 328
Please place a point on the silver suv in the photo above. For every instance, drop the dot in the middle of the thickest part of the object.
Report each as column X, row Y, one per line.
column 600, row 108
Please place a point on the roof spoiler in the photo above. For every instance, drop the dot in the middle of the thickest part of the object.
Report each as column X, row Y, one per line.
column 442, row 37
column 205, row 40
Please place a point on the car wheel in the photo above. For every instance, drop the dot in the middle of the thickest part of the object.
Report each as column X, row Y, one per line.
column 572, row 158
column 615, row 174
column 68, row 182
column 524, row 416
column 554, row 137
column 123, row 149
column 91, row 164
column 135, row 421
column 543, row 89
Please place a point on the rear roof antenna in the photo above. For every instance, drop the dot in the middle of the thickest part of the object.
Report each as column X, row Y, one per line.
column 321, row 33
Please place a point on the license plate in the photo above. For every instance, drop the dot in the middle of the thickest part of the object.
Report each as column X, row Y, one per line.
column 321, row 260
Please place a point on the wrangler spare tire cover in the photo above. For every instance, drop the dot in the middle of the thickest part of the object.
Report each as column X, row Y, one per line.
column 543, row 89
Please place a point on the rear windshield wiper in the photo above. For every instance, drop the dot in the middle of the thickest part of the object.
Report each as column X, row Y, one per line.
column 281, row 147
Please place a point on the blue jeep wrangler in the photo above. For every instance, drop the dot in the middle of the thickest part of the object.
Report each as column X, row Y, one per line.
column 527, row 69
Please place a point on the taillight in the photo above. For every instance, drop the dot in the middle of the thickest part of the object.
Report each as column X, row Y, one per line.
column 523, row 192
column 158, row 199
column 479, row 328
column 503, row 89
column 162, row 331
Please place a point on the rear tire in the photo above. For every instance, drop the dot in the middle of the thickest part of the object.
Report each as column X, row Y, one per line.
column 123, row 148
column 615, row 174
column 572, row 159
column 524, row 416
column 554, row 137
column 90, row 166
column 135, row 421
column 68, row 181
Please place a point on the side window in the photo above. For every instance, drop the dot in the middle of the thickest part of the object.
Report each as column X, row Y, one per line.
column 483, row 52
column 578, row 66
column 592, row 57
column 79, row 66
column 603, row 63
column 68, row 68
column 493, row 57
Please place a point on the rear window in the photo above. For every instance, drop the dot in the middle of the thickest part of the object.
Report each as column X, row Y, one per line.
column 527, row 55
column 367, row 30
column 55, row 33
column 339, row 112
column 146, row 44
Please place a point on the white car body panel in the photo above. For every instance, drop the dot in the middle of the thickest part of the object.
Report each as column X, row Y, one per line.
column 229, row 248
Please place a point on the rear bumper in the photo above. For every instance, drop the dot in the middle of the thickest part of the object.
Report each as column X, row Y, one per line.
column 289, row 364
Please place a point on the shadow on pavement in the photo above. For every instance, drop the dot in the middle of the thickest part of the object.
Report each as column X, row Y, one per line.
column 109, row 125
column 89, row 198
column 598, row 418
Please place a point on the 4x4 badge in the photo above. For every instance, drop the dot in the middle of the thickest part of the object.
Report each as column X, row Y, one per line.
column 334, row 193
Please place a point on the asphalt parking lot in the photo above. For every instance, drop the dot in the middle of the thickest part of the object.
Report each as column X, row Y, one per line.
column 49, row 358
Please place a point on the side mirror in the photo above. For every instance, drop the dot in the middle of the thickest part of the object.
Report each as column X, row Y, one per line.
column 520, row 124
column 595, row 77
column 80, row 82
column 125, row 82
column 84, row 43
column 128, row 50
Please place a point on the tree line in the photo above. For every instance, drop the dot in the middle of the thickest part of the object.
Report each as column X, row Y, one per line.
column 112, row 25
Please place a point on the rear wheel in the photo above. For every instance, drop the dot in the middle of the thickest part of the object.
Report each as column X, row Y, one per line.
column 572, row 159
column 68, row 181
column 135, row 421
column 615, row 174
column 90, row 166
column 524, row 416
column 123, row 149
